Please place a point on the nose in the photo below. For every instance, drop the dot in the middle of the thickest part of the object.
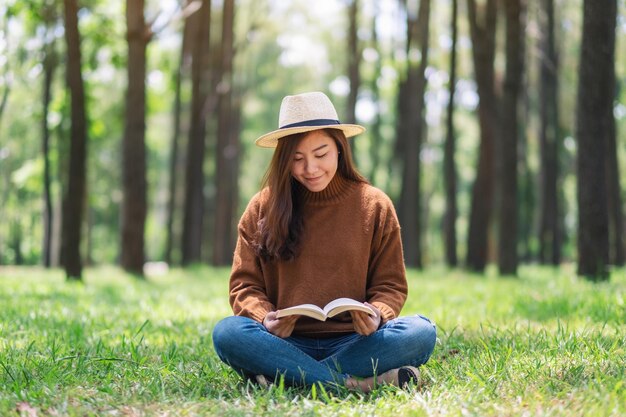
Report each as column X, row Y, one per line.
column 310, row 166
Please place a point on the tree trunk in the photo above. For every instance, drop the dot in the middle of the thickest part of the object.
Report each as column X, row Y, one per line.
column 507, row 256
column 7, row 82
column 375, row 134
column 134, row 205
column 88, row 235
column 616, row 218
column 194, row 175
column 15, row 241
column 57, row 227
column 5, row 183
column 595, row 108
column 527, row 185
column 549, row 235
column 411, row 134
column 174, row 163
column 49, row 65
column 450, row 179
column 354, row 63
column 73, row 208
column 227, row 152
column 527, row 192
column 483, row 32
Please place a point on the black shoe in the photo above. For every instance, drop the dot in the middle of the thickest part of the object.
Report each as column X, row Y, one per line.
column 408, row 375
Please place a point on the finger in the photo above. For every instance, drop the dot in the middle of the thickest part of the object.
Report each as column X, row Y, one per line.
column 373, row 307
column 359, row 315
column 367, row 320
column 360, row 326
column 377, row 312
column 370, row 325
column 367, row 329
column 357, row 319
column 285, row 331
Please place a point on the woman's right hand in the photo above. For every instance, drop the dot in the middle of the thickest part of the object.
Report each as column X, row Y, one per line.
column 279, row 327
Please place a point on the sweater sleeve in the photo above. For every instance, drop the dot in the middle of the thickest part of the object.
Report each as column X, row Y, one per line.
column 248, row 296
column 387, row 284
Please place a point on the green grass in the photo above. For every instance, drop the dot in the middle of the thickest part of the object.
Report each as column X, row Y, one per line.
column 546, row 343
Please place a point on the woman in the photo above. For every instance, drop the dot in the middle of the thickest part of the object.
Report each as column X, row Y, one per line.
column 318, row 231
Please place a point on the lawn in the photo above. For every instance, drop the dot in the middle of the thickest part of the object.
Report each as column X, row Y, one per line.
column 546, row 343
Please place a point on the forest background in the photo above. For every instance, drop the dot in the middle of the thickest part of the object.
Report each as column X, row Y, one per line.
column 127, row 129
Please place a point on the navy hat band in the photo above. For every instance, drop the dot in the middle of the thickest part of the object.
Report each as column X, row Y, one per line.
column 315, row 122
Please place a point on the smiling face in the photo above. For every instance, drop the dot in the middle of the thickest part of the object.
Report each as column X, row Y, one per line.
column 315, row 160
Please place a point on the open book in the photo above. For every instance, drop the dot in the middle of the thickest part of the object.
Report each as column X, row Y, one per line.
column 331, row 309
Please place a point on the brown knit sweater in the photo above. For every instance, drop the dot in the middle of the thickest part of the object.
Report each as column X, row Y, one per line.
column 350, row 247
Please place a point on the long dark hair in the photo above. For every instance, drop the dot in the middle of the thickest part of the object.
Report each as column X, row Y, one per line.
column 280, row 230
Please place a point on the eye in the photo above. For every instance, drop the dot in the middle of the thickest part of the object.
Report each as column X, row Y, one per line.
column 321, row 156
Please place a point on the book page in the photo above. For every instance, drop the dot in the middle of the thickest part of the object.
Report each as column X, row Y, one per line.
column 310, row 310
column 345, row 304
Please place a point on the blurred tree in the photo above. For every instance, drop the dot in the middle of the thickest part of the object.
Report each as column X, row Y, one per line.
column 375, row 129
column 549, row 230
column 5, row 178
column 134, row 204
column 6, row 68
column 411, row 129
column 175, row 160
column 75, row 197
column 508, row 143
column 616, row 215
column 15, row 241
column 483, row 34
column 596, row 89
column 354, row 65
column 228, row 147
column 450, row 176
column 194, row 178
column 614, row 202
column 50, row 63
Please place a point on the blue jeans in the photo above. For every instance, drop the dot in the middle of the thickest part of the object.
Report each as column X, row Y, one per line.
column 250, row 349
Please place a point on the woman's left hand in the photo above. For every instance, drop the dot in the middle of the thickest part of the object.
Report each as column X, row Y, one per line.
column 364, row 324
column 280, row 327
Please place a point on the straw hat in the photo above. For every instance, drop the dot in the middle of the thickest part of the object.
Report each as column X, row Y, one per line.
column 304, row 113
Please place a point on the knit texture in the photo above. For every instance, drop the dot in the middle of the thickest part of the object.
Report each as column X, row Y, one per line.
column 351, row 247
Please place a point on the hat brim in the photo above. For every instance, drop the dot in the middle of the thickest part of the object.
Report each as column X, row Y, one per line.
column 270, row 140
